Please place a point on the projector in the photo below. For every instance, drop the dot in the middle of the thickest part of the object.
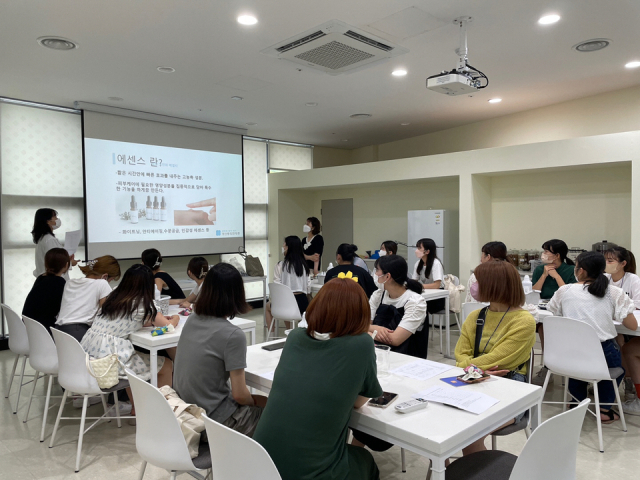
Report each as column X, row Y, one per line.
column 452, row 84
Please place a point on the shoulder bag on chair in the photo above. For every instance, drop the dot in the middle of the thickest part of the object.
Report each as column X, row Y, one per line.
column 252, row 264
column 104, row 370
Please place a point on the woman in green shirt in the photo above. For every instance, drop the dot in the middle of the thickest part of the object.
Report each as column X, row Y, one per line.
column 325, row 371
column 548, row 278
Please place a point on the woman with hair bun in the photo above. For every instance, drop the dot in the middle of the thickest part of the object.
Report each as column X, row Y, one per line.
column 165, row 283
column 346, row 268
column 196, row 271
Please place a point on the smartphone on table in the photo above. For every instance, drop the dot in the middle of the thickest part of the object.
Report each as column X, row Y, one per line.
column 383, row 401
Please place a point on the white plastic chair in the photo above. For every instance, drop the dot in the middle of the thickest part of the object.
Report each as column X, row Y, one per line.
column 550, row 454
column 159, row 439
column 532, row 297
column 43, row 359
column 283, row 306
column 235, row 456
column 441, row 315
column 572, row 349
column 469, row 307
column 73, row 376
column 18, row 344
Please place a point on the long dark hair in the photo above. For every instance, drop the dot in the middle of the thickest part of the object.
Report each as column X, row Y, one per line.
column 40, row 225
column 294, row 258
column 398, row 268
column 136, row 289
column 347, row 251
column 621, row 254
column 558, row 246
column 594, row 264
column 151, row 258
column 390, row 247
column 222, row 293
column 497, row 250
column 427, row 244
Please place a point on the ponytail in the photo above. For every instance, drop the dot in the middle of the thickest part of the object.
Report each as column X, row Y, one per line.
column 396, row 266
column 414, row 286
column 347, row 251
column 594, row 264
column 599, row 286
column 621, row 254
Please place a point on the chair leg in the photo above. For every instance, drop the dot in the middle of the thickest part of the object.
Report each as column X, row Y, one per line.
column 24, row 364
column 173, row 475
column 429, row 470
column 270, row 328
column 13, row 374
column 142, row 469
column 85, row 401
column 115, row 397
column 566, row 397
column 440, row 325
column 46, row 408
column 598, row 420
column 33, row 389
column 403, row 460
column 104, row 403
column 55, row 427
column 494, row 442
column 622, row 420
column 544, row 389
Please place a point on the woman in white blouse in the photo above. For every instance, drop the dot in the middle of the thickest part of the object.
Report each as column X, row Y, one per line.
column 293, row 272
column 594, row 301
column 44, row 223
column 428, row 270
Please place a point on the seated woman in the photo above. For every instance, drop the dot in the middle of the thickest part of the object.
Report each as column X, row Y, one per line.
column 165, row 283
column 345, row 256
column 212, row 351
column 490, row 251
column 44, row 299
column 293, row 272
column 594, row 301
column 313, row 393
column 196, row 271
column 388, row 247
column 83, row 297
column 508, row 334
column 126, row 310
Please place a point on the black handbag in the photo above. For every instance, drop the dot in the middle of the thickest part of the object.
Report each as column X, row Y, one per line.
column 388, row 316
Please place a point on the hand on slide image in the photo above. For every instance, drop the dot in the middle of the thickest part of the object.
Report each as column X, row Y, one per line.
column 196, row 217
column 206, row 203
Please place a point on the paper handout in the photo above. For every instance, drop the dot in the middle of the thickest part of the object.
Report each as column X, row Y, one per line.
column 463, row 399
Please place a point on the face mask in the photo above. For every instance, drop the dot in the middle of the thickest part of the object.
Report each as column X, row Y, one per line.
column 382, row 253
column 612, row 268
column 546, row 258
column 57, row 224
column 306, row 229
column 575, row 274
column 419, row 254
column 473, row 290
column 283, row 250
column 380, row 282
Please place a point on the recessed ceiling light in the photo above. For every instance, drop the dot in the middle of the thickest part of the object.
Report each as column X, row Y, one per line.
column 247, row 20
column 311, row 104
column 236, row 98
column 405, row 124
column 116, row 99
column 166, row 69
column 361, row 115
column 634, row 64
column 549, row 19
column 57, row 43
column 345, row 139
column 495, row 100
column 401, row 72
column 592, row 45
column 251, row 124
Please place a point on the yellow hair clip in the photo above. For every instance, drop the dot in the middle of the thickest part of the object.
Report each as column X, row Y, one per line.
column 348, row 275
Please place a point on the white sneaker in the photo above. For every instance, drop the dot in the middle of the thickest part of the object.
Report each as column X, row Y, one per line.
column 77, row 401
column 632, row 408
column 538, row 378
column 629, row 390
column 124, row 407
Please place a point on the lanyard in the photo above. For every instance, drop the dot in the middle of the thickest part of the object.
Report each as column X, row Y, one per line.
column 485, row 347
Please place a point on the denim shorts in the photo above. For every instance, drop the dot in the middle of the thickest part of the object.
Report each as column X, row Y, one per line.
column 518, row 377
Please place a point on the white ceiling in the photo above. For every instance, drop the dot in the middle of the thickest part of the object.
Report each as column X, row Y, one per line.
column 123, row 42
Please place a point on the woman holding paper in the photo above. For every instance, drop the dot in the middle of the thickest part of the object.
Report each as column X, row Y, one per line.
column 44, row 223
column 508, row 334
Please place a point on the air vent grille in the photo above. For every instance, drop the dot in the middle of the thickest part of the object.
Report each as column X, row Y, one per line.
column 301, row 41
column 334, row 55
column 368, row 41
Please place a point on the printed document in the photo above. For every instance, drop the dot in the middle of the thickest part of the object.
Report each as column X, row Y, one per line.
column 473, row 402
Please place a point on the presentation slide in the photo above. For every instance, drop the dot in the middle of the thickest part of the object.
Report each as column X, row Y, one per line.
column 177, row 200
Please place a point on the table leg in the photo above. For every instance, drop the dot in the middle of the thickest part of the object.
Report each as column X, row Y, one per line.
column 437, row 469
column 447, row 329
column 252, row 336
column 153, row 353
column 264, row 302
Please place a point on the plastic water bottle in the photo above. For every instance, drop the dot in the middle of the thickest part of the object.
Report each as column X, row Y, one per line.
column 330, row 266
column 527, row 285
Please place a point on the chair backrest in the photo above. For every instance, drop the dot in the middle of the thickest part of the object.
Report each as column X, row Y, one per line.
column 532, row 297
column 18, row 340
column 44, row 355
column 283, row 303
column 572, row 349
column 469, row 307
column 551, row 450
column 234, row 455
column 72, row 365
column 159, row 439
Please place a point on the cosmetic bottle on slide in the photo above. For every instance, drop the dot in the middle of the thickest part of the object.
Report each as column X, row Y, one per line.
column 149, row 208
column 156, row 210
column 163, row 210
column 133, row 212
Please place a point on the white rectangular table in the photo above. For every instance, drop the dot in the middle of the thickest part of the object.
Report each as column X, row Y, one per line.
column 142, row 338
column 542, row 314
column 436, row 432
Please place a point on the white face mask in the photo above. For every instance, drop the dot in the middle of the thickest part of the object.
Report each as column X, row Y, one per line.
column 379, row 277
column 57, row 224
column 306, row 229
column 419, row 253
column 546, row 258
column 612, row 268
column 382, row 253
column 283, row 252
column 575, row 274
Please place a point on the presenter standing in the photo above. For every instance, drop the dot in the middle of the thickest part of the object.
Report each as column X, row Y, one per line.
column 44, row 223
column 313, row 244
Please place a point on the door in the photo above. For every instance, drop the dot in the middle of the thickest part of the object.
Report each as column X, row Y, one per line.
column 337, row 227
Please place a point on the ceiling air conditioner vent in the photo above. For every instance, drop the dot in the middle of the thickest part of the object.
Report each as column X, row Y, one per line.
column 334, row 47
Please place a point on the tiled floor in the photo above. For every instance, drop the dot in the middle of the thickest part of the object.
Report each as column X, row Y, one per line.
column 110, row 453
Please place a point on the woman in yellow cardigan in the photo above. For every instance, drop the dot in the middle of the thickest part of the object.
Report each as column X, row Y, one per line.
column 509, row 331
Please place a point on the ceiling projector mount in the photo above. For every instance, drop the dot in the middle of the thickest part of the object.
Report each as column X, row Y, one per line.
column 464, row 78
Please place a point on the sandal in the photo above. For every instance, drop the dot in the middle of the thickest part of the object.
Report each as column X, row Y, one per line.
column 611, row 414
